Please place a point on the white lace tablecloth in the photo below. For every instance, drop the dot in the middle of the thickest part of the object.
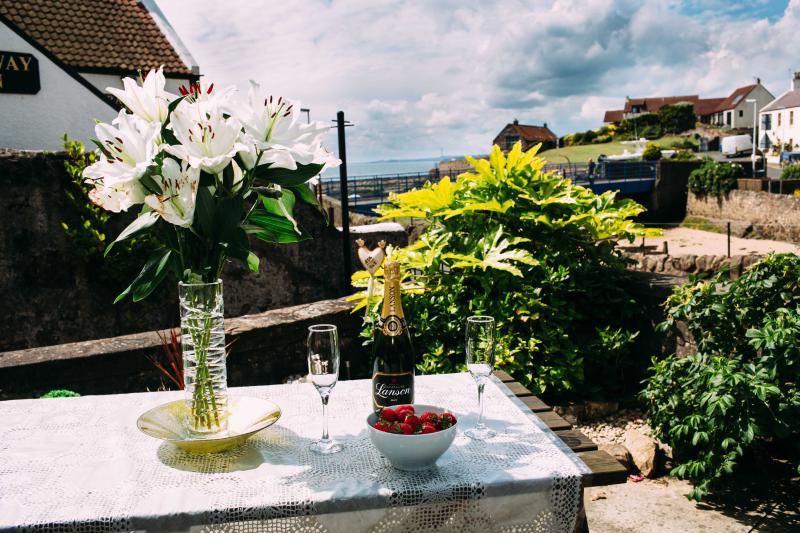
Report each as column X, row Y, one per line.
column 80, row 464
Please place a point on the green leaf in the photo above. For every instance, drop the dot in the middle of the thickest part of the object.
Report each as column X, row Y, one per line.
column 285, row 177
column 151, row 275
column 270, row 227
column 252, row 262
column 227, row 216
column 204, row 211
column 141, row 223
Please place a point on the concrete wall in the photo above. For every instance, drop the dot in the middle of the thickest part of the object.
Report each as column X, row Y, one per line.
column 766, row 215
column 63, row 105
column 49, row 295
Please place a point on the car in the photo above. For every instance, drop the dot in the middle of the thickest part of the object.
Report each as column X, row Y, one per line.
column 736, row 145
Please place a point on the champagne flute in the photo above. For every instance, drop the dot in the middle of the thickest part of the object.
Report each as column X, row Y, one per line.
column 323, row 368
column 480, row 363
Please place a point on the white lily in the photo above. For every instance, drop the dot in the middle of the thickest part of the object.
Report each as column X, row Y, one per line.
column 179, row 183
column 275, row 128
column 129, row 147
column 149, row 101
column 208, row 140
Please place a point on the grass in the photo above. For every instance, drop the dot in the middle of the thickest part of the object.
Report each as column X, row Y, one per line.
column 582, row 154
column 702, row 224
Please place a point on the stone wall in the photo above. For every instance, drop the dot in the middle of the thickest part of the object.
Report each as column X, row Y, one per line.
column 49, row 295
column 265, row 348
column 683, row 265
column 761, row 214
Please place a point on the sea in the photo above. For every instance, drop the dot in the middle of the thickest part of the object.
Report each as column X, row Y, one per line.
column 388, row 166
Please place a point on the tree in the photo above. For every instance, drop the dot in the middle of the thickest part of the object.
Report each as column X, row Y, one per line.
column 676, row 118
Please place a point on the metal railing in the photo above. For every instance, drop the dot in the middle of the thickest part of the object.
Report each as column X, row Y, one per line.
column 365, row 192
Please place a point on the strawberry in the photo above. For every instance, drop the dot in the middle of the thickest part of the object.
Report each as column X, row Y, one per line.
column 395, row 428
column 427, row 416
column 413, row 421
column 388, row 414
column 382, row 426
column 428, row 428
column 406, row 429
column 447, row 420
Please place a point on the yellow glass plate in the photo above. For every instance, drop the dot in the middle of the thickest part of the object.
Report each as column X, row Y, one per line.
column 246, row 416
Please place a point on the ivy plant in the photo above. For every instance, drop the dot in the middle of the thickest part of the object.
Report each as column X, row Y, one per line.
column 740, row 390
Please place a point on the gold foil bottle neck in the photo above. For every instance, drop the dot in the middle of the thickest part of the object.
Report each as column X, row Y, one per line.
column 391, row 270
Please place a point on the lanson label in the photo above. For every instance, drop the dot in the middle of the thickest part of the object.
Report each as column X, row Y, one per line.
column 19, row 73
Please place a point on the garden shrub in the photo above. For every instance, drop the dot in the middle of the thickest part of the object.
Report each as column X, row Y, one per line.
column 589, row 136
column 676, row 118
column 652, row 152
column 651, row 132
column 683, row 155
column 715, row 178
column 634, row 126
column 741, row 388
column 531, row 249
column 792, row 172
column 61, row 393
column 684, row 144
column 601, row 139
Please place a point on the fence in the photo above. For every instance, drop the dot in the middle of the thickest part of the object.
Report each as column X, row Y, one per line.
column 366, row 192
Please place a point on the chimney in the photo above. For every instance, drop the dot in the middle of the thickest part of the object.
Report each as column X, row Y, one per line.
column 516, row 122
column 758, row 81
column 796, row 81
column 544, row 125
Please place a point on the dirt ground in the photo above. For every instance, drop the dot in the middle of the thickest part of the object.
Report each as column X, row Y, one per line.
column 765, row 499
column 686, row 241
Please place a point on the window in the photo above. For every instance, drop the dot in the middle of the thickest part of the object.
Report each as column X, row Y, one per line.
column 791, row 118
column 741, row 113
column 779, row 119
column 728, row 118
column 766, row 120
column 510, row 141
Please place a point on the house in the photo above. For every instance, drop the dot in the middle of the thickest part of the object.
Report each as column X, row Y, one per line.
column 780, row 120
column 57, row 58
column 528, row 135
column 634, row 107
column 736, row 112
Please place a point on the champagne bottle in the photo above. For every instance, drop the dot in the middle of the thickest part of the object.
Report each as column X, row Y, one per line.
column 393, row 355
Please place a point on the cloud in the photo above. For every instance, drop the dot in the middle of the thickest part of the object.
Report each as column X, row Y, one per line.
column 417, row 77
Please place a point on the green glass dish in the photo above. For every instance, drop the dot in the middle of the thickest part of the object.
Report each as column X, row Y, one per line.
column 246, row 417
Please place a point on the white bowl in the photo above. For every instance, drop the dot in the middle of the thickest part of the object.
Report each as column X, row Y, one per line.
column 412, row 452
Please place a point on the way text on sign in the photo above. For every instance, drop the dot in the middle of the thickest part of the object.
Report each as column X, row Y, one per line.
column 19, row 73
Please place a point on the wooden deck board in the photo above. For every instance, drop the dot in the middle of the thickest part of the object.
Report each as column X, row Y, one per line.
column 577, row 441
column 605, row 469
column 553, row 421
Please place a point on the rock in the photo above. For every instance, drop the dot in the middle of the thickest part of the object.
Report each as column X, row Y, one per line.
column 643, row 450
column 600, row 409
column 618, row 452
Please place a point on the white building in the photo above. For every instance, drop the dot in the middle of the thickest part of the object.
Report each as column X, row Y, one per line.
column 736, row 112
column 57, row 58
column 780, row 121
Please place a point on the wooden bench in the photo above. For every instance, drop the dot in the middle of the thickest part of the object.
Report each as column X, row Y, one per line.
column 605, row 470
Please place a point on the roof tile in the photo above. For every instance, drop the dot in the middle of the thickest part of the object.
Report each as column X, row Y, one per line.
column 76, row 32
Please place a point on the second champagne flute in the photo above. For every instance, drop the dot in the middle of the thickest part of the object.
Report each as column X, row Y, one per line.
column 323, row 368
column 480, row 363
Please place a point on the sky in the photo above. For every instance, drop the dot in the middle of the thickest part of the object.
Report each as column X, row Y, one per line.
column 424, row 78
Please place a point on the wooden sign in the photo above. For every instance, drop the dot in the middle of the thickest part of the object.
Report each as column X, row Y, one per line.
column 19, row 73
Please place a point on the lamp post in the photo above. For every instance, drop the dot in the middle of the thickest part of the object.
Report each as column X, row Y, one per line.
column 755, row 121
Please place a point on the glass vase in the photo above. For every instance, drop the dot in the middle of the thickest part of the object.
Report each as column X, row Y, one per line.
column 203, row 346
